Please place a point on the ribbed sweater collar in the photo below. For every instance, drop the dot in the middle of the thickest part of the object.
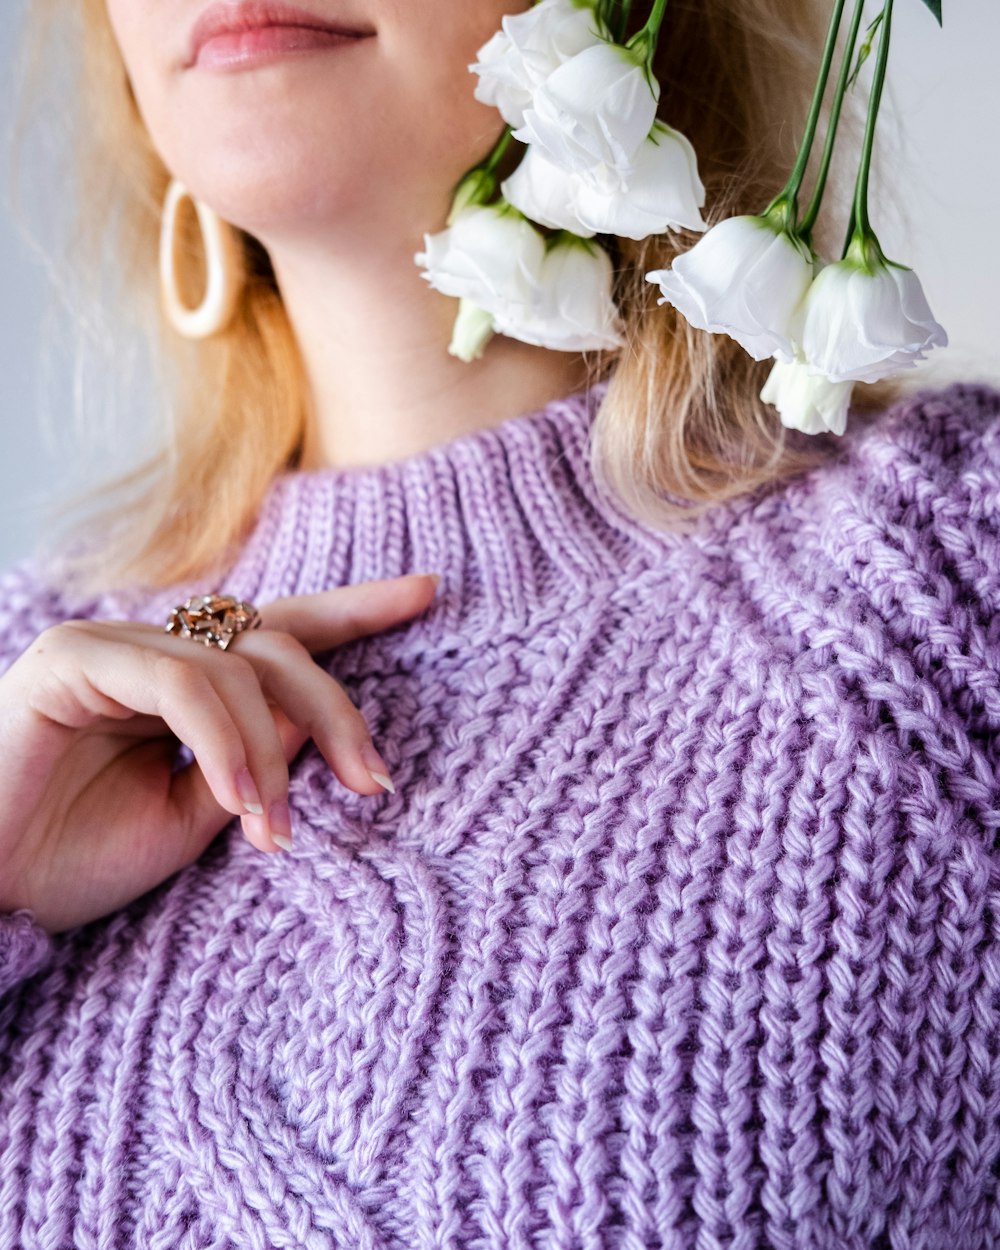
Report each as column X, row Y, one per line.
column 509, row 516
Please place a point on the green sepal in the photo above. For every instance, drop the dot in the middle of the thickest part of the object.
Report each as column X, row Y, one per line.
column 477, row 188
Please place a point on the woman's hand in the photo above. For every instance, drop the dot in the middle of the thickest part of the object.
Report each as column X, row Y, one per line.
column 91, row 815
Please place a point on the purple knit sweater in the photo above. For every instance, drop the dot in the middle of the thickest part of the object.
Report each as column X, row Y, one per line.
column 682, row 929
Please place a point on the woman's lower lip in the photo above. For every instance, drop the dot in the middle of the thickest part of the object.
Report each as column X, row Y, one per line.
column 239, row 49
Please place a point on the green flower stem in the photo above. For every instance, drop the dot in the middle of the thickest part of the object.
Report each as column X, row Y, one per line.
column 605, row 11
column 644, row 41
column 812, row 212
column 849, row 236
column 786, row 201
column 497, row 155
column 625, row 9
column 860, row 223
column 479, row 185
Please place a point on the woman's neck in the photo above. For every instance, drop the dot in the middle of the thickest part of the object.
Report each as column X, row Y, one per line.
column 374, row 343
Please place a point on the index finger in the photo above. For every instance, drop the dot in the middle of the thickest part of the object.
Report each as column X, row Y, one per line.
column 333, row 617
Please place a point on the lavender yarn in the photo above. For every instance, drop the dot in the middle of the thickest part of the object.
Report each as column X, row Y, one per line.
column 680, row 931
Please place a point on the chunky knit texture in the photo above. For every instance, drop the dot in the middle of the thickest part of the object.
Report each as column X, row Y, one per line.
column 682, row 929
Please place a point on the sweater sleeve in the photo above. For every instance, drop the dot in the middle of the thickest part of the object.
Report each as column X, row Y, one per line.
column 29, row 604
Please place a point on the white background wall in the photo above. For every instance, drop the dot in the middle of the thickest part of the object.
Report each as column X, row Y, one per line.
column 942, row 83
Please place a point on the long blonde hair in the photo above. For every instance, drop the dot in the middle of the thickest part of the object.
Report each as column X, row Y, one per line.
column 682, row 426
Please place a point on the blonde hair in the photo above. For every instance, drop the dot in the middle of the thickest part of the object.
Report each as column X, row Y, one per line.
column 682, row 426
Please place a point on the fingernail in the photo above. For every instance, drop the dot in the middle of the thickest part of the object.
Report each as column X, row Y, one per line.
column 378, row 770
column 247, row 791
column 436, row 576
column 279, row 822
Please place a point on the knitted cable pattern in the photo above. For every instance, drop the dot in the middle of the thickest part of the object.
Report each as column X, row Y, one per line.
column 679, row 932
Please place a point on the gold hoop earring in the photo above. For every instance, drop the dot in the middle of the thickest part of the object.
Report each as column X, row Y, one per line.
column 222, row 263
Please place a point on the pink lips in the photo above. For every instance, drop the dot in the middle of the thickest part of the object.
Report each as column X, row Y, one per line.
column 237, row 34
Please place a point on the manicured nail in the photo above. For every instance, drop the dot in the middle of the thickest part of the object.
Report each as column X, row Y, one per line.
column 436, row 576
column 378, row 770
column 279, row 822
column 247, row 791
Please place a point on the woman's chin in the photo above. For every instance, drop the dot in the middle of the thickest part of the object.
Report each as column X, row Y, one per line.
column 281, row 203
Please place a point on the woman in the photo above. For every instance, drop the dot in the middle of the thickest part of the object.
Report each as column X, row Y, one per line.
column 664, row 913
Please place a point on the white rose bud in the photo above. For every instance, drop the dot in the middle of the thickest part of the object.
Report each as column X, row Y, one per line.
column 746, row 278
column 865, row 323
column 576, row 311
column 473, row 329
column 528, row 48
column 545, row 193
column 665, row 192
column 489, row 256
column 807, row 401
column 592, row 114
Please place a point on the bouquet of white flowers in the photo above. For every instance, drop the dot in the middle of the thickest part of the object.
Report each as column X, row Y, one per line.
column 524, row 257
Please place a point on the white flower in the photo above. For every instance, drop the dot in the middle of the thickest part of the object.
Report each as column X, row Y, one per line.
column 545, row 193
column 528, row 48
column 805, row 400
column 508, row 282
column 664, row 192
column 592, row 114
column 576, row 311
column 863, row 324
column 746, row 278
column 488, row 256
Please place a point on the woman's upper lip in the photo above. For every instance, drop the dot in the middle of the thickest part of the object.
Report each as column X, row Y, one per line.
column 232, row 18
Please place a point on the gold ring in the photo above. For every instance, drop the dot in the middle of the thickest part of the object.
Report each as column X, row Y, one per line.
column 213, row 620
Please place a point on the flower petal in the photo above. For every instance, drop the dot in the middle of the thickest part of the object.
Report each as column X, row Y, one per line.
column 528, row 48
column 593, row 113
column 744, row 278
column 576, row 311
column 864, row 326
column 805, row 401
column 545, row 193
column 664, row 192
